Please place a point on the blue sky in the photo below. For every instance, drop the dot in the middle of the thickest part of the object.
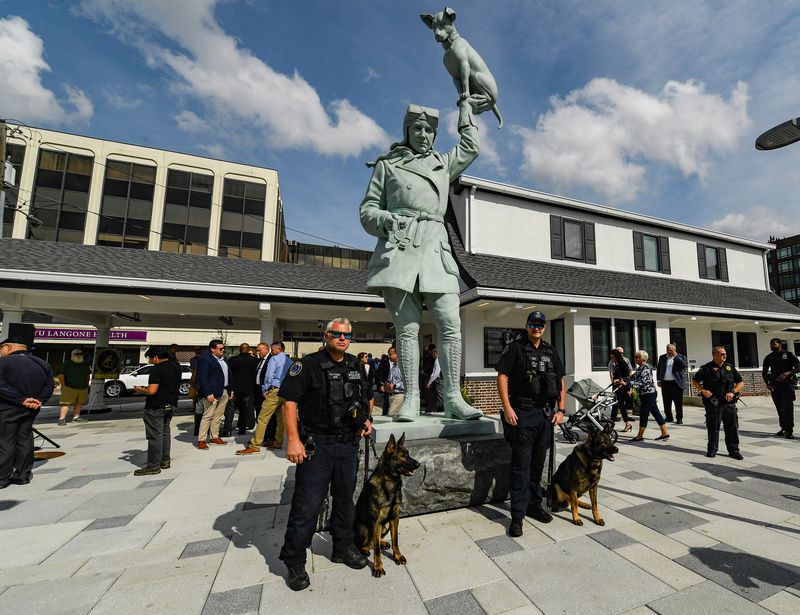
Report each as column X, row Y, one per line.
column 645, row 106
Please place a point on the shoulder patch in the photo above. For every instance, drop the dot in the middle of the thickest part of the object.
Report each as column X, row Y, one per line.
column 296, row 368
column 728, row 368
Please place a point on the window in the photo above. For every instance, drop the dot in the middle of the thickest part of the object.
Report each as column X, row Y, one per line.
column 601, row 342
column 651, row 253
column 558, row 339
column 677, row 336
column 747, row 349
column 797, row 348
column 16, row 154
column 724, row 338
column 127, row 205
column 623, row 335
column 241, row 228
column 327, row 256
column 572, row 240
column 187, row 212
column 61, row 196
column 494, row 340
column 647, row 339
column 712, row 262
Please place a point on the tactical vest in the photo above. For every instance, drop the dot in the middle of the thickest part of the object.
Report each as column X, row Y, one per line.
column 540, row 371
column 340, row 405
column 722, row 380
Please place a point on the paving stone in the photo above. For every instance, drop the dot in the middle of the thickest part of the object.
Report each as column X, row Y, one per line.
column 750, row 576
column 205, row 547
column 616, row 585
column 155, row 484
column 500, row 597
column 27, row 546
column 47, row 470
column 261, row 499
column 662, row 517
column 234, row 601
column 698, row 498
column 45, row 571
column 782, row 603
column 71, row 596
column 39, row 511
column 705, row 599
column 109, row 522
column 462, row 602
column 498, row 545
column 79, row 481
column 225, row 463
column 660, row 567
column 114, row 504
column 612, row 539
column 633, row 475
column 766, row 492
column 103, row 541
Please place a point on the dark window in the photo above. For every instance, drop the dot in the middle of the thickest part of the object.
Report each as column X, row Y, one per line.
column 677, row 336
column 494, row 340
column 623, row 335
column 558, row 339
column 797, row 348
column 712, row 262
column 312, row 254
column 187, row 212
column 646, row 330
column 601, row 342
column 243, row 206
column 16, row 153
column 127, row 205
column 61, row 196
column 724, row 338
column 651, row 253
column 747, row 348
column 572, row 240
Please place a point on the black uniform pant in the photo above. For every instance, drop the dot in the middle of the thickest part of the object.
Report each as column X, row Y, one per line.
column 16, row 443
column 434, row 396
column 783, row 398
column 725, row 414
column 243, row 404
column 673, row 394
column 159, row 440
column 333, row 465
column 529, row 441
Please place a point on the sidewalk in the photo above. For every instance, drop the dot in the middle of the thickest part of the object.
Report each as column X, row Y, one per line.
column 683, row 534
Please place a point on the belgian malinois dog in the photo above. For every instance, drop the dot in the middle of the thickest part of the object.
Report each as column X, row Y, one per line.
column 378, row 506
column 580, row 472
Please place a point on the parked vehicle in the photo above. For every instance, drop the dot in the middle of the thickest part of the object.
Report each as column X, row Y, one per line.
column 117, row 387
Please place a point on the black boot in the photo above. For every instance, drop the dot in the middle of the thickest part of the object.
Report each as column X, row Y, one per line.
column 298, row 578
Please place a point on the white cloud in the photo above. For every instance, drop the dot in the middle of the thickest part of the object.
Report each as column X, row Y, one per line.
column 118, row 100
column 371, row 74
column 603, row 134
column 238, row 89
column 759, row 222
column 488, row 146
column 24, row 96
column 189, row 121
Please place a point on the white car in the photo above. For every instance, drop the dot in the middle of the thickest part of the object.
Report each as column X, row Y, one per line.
column 139, row 377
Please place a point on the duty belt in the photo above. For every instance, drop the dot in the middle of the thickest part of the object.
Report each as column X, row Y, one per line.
column 526, row 403
column 331, row 439
column 401, row 236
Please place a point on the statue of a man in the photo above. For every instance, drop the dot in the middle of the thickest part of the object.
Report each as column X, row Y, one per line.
column 413, row 262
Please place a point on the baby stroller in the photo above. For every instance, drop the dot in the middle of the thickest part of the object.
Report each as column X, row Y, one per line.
column 595, row 410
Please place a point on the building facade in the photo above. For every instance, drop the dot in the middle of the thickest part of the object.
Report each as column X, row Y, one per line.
column 784, row 268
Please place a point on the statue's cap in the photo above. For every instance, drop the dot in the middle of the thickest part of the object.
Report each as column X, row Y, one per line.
column 416, row 112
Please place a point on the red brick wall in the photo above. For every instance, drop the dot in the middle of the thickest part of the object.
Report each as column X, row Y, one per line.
column 484, row 390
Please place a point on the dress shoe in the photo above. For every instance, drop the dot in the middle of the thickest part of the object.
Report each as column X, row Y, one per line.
column 540, row 514
column 351, row 558
column 225, row 434
column 202, row 444
column 780, row 434
column 217, row 441
column 679, row 422
column 166, row 464
column 250, row 450
column 515, row 529
column 275, row 446
column 711, row 454
column 147, row 471
column 241, row 432
column 20, row 481
column 298, row 578
column 4, row 485
column 736, row 456
column 790, row 436
column 269, row 443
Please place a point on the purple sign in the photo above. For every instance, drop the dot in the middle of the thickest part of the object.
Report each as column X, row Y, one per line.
column 61, row 333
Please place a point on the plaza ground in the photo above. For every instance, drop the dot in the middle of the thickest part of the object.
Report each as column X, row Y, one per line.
column 683, row 534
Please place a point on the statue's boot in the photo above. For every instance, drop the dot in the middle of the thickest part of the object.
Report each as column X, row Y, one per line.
column 408, row 358
column 450, row 361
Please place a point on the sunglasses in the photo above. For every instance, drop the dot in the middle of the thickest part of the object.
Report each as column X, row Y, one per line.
column 337, row 334
column 536, row 325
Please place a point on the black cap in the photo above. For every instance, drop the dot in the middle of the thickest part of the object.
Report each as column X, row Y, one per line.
column 20, row 333
column 537, row 316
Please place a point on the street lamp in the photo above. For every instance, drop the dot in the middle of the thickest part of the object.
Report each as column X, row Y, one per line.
column 780, row 135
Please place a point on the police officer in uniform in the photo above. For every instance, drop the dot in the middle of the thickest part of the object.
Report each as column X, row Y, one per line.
column 530, row 385
column 326, row 412
column 778, row 370
column 719, row 383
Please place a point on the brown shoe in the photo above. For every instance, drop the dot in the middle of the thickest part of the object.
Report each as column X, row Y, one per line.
column 202, row 444
column 250, row 450
column 217, row 441
column 275, row 446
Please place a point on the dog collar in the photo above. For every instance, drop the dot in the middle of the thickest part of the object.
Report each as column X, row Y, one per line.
column 452, row 37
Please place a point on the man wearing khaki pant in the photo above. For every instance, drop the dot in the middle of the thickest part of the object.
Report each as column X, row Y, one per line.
column 277, row 368
column 213, row 386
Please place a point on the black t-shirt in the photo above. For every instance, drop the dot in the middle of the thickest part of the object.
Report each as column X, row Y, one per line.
column 167, row 375
column 513, row 364
column 719, row 379
column 777, row 363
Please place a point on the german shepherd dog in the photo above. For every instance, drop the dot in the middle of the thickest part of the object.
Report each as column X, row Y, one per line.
column 378, row 506
column 580, row 472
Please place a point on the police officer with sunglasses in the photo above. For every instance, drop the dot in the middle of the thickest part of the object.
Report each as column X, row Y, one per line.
column 326, row 413
column 530, row 385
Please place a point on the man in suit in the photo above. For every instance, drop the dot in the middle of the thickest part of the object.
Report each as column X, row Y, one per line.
column 243, row 366
column 671, row 379
column 214, row 389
